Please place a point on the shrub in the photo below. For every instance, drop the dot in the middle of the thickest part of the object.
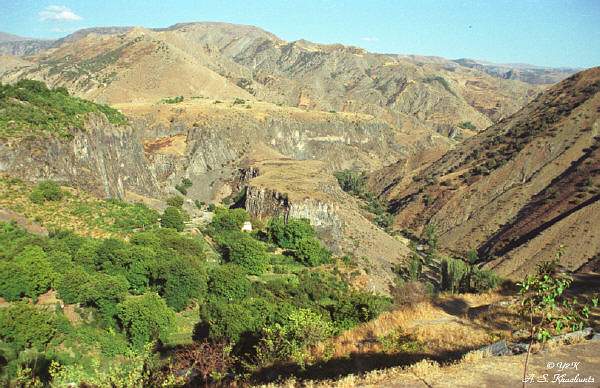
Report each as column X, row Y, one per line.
column 105, row 292
column 483, row 279
column 211, row 360
column 37, row 273
column 357, row 307
column 175, row 201
column 73, row 285
column 46, row 191
column 467, row 125
column 309, row 251
column 229, row 281
column 23, row 326
column 472, row 257
column 181, row 280
column 352, row 181
column 238, row 322
column 292, row 339
column 243, row 250
column 172, row 218
column 229, row 219
column 145, row 318
column 288, row 234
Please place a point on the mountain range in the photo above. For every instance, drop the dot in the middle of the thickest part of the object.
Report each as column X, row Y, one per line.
column 493, row 155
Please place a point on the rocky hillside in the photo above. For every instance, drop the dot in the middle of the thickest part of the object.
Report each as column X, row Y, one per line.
column 218, row 60
column 520, row 189
column 526, row 73
column 18, row 45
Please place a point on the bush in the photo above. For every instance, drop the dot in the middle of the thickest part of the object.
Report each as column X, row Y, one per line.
column 467, row 125
column 172, row 218
column 73, row 285
column 309, row 251
column 229, row 281
column 175, row 201
column 484, row 279
column 46, row 191
column 292, row 339
column 23, row 326
column 288, row 234
column 228, row 219
column 352, row 181
column 181, row 280
column 36, row 271
column 241, row 249
column 357, row 307
column 145, row 318
column 211, row 360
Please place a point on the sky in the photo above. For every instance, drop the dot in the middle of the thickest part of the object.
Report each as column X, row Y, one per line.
column 543, row 32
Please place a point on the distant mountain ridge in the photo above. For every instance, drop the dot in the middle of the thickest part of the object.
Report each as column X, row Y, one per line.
column 519, row 71
column 221, row 60
column 537, row 75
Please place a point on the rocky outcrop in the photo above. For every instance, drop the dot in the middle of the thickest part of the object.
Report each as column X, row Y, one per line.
column 305, row 189
column 102, row 158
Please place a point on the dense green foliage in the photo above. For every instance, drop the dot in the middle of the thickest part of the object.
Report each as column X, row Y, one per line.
column 442, row 273
column 145, row 317
column 298, row 236
column 265, row 307
column 173, row 218
column 30, row 107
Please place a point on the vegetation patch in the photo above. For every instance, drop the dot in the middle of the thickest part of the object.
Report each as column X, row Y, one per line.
column 30, row 107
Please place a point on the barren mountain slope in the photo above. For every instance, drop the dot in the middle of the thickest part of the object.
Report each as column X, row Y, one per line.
column 222, row 60
column 129, row 67
column 208, row 140
column 521, row 188
column 522, row 72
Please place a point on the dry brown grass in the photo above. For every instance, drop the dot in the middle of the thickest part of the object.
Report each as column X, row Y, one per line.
column 435, row 330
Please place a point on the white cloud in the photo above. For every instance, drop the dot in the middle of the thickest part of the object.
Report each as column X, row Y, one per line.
column 58, row 13
column 369, row 39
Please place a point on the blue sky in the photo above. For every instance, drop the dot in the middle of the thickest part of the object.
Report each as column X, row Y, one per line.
column 543, row 32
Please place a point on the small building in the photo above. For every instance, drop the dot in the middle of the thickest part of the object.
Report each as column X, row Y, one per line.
column 247, row 227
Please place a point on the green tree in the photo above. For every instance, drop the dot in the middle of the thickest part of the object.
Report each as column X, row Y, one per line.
column 23, row 325
column 241, row 249
column 173, row 218
column 288, row 234
column 229, row 219
column 145, row 318
column 311, row 252
column 36, row 271
column 229, row 281
column 73, row 285
column 175, row 201
column 182, row 279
